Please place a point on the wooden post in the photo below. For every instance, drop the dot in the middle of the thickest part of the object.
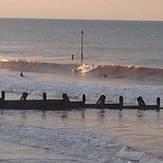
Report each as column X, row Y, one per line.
column 3, row 95
column 141, row 103
column 66, row 100
column 24, row 96
column 158, row 104
column 121, row 102
column 72, row 57
column 44, row 96
column 82, row 57
column 101, row 101
column 84, row 98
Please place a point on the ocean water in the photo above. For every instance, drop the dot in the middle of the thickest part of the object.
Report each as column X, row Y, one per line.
column 120, row 58
column 108, row 42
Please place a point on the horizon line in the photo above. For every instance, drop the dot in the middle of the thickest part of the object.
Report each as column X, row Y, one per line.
column 84, row 19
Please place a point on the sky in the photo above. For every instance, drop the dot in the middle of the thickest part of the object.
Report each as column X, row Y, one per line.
column 83, row 9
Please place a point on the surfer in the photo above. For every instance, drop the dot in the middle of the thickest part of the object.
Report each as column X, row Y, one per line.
column 21, row 74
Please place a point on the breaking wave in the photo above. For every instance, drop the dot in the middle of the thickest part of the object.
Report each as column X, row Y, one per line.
column 120, row 72
column 34, row 66
column 102, row 71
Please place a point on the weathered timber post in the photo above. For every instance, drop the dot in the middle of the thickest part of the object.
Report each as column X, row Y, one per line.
column 121, row 102
column 101, row 101
column 158, row 104
column 84, row 98
column 44, row 96
column 66, row 100
column 72, row 57
column 3, row 95
column 24, row 96
column 141, row 103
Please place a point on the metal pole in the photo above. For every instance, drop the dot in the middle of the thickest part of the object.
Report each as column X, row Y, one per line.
column 82, row 34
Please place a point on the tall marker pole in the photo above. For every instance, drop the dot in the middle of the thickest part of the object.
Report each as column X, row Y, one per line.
column 82, row 35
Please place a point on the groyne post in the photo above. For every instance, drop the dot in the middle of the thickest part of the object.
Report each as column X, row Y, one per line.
column 141, row 103
column 24, row 96
column 84, row 98
column 158, row 104
column 101, row 101
column 121, row 102
column 72, row 57
column 3, row 95
column 44, row 96
column 66, row 100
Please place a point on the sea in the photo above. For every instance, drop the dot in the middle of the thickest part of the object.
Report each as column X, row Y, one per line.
column 120, row 58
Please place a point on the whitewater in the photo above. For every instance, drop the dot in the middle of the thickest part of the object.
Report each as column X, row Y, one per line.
column 120, row 58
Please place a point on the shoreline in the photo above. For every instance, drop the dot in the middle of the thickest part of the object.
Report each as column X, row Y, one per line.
column 58, row 145
column 128, row 127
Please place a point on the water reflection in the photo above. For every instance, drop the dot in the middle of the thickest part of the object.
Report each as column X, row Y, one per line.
column 83, row 114
column 24, row 114
column 2, row 112
column 43, row 114
column 129, row 127
column 64, row 115
column 158, row 115
column 140, row 113
column 120, row 114
column 120, row 117
column 101, row 113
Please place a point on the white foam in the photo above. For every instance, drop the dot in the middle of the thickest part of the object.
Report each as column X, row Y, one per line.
column 84, row 68
column 35, row 86
column 60, row 145
column 129, row 154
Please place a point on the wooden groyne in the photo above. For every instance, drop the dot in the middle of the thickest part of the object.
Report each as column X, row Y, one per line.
column 65, row 103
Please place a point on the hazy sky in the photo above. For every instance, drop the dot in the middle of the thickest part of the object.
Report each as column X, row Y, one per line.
column 83, row 9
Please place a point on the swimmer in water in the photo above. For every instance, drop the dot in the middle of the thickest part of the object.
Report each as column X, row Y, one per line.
column 21, row 74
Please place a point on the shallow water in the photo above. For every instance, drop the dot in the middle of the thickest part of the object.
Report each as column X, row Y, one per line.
column 138, row 129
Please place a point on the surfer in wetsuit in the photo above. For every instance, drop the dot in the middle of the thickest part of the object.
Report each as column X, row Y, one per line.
column 21, row 74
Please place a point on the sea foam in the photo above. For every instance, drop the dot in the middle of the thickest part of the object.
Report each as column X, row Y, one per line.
column 58, row 145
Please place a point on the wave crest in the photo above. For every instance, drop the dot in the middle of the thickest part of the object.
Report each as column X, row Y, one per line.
column 84, row 68
column 102, row 71
column 122, row 72
column 34, row 66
